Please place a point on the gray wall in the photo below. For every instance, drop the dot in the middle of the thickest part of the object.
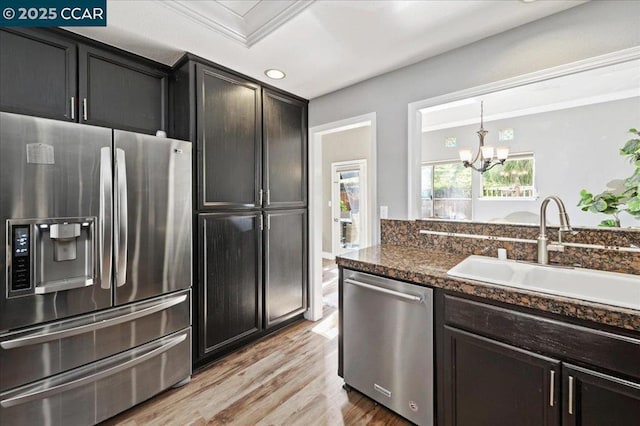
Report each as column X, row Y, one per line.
column 574, row 149
column 585, row 31
column 347, row 145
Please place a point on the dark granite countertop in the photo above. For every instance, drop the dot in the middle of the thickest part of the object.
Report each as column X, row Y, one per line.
column 423, row 266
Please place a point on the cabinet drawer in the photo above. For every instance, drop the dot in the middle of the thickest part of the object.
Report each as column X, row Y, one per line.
column 607, row 350
column 54, row 348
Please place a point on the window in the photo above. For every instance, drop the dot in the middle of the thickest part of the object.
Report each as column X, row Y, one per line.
column 514, row 179
column 446, row 190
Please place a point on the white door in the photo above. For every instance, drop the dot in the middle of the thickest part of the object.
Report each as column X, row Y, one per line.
column 349, row 206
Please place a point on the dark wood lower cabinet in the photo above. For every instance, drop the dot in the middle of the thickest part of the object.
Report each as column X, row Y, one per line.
column 486, row 379
column 252, row 277
column 493, row 384
column 285, row 265
column 230, row 285
column 595, row 399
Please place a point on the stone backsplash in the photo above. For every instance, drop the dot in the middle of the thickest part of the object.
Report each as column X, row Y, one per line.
column 407, row 233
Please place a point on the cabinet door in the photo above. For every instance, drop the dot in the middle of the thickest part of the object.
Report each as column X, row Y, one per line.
column 491, row 383
column 121, row 93
column 37, row 74
column 285, row 151
column 285, row 265
column 229, row 288
column 229, row 117
column 596, row 399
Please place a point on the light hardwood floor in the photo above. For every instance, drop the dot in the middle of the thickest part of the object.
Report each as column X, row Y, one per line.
column 286, row 379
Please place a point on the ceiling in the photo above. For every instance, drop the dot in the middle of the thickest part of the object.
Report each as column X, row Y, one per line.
column 605, row 84
column 322, row 45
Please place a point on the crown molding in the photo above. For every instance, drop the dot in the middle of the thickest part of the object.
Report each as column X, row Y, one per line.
column 260, row 21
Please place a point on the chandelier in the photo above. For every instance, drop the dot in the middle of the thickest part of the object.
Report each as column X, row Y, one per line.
column 487, row 155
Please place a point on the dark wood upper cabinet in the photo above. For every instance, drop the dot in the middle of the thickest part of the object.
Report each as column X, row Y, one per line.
column 230, row 288
column 285, row 150
column 51, row 73
column 229, row 117
column 285, row 265
column 595, row 399
column 491, row 383
column 37, row 74
column 115, row 91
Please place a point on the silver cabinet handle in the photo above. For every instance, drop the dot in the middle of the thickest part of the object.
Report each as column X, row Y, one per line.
column 268, row 222
column 260, row 197
column 552, row 380
column 401, row 295
column 268, row 196
column 73, row 108
column 85, row 112
column 105, row 229
column 93, row 326
column 54, row 390
column 261, row 222
column 570, row 395
column 63, row 285
column 122, row 226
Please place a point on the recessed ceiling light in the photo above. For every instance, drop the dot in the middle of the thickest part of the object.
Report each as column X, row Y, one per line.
column 528, row 1
column 275, row 74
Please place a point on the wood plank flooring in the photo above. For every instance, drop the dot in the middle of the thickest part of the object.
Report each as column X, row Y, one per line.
column 289, row 378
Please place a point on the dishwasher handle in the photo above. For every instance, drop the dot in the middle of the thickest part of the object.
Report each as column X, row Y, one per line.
column 408, row 297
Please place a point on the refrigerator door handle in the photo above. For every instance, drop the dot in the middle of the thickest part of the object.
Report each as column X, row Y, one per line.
column 122, row 228
column 105, row 244
column 63, row 387
column 45, row 337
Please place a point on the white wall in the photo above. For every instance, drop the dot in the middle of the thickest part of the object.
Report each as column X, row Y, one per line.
column 574, row 149
column 347, row 145
column 585, row 31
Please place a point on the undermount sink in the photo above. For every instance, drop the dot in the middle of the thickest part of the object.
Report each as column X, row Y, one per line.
column 611, row 288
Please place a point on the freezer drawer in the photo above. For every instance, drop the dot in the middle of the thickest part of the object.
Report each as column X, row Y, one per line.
column 388, row 343
column 38, row 352
column 97, row 391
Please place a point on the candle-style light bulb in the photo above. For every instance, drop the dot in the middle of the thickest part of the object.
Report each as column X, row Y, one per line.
column 465, row 155
column 502, row 152
column 487, row 152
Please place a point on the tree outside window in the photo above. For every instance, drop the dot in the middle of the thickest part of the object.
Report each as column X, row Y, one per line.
column 514, row 179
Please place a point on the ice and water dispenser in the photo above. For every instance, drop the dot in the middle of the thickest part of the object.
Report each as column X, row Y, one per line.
column 49, row 255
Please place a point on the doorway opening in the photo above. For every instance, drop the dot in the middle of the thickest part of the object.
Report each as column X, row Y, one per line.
column 334, row 150
column 349, row 205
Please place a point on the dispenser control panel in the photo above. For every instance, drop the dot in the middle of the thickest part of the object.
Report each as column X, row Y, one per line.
column 21, row 258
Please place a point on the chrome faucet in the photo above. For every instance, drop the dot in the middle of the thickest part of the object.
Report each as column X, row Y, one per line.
column 543, row 254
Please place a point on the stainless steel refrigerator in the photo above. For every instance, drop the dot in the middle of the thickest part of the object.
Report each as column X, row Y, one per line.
column 95, row 226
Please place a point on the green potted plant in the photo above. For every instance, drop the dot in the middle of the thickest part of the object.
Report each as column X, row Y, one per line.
column 627, row 200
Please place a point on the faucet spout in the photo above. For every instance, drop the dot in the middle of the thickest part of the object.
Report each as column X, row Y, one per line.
column 543, row 254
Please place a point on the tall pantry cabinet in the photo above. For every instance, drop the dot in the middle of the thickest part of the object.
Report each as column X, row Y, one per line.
column 251, row 205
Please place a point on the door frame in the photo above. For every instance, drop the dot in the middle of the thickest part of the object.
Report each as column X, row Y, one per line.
column 361, row 166
column 316, row 133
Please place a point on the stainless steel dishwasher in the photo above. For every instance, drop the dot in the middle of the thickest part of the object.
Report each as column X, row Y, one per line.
column 388, row 343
